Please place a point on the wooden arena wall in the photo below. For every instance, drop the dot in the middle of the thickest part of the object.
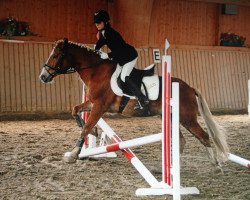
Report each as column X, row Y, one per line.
column 220, row 74
column 21, row 89
column 148, row 23
column 143, row 23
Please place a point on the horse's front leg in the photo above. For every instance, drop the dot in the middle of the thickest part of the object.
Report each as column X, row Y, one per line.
column 86, row 106
column 83, row 107
column 96, row 112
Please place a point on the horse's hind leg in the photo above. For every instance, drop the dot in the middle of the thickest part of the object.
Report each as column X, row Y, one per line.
column 199, row 133
column 202, row 136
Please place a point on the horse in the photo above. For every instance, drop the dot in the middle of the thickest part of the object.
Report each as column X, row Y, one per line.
column 69, row 57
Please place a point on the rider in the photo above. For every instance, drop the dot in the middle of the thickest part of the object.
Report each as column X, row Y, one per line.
column 121, row 52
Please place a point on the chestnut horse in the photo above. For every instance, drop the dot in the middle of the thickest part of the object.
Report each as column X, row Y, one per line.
column 68, row 57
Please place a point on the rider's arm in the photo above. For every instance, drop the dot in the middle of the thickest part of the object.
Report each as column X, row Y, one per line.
column 100, row 43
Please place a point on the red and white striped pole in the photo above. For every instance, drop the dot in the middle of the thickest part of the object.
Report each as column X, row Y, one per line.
column 170, row 130
column 122, row 145
column 166, row 121
column 140, row 167
column 90, row 140
column 85, row 115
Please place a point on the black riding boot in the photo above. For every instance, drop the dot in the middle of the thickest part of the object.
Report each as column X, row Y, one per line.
column 141, row 98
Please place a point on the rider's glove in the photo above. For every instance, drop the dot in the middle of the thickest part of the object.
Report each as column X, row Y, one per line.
column 104, row 55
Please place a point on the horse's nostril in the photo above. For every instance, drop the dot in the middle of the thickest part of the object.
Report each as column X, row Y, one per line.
column 43, row 78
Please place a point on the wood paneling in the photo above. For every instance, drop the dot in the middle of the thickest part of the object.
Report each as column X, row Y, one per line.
column 56, row 19
column 133, row 20
column 142, row 23
column 182, row 22
column 20, row 87
column 220, row 74
column 146, row 23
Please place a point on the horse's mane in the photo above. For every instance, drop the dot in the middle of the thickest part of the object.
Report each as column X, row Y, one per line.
column 78, row 45
column 86, row 50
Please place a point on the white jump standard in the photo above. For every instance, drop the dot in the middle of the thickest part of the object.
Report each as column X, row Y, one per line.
column 170, row 183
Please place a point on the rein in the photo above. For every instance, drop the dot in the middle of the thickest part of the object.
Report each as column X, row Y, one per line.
column 69, row 70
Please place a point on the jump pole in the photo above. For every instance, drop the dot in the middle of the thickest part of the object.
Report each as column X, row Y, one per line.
column 90, row 140
column 122, row 145
column 139, row 166
column 239, row 160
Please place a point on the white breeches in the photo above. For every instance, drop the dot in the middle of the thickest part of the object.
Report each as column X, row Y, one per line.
column 127, row 69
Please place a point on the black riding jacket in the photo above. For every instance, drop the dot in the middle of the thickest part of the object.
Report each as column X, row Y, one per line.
column 121, row 52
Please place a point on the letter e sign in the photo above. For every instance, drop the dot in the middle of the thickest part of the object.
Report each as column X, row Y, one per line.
column 157, row 55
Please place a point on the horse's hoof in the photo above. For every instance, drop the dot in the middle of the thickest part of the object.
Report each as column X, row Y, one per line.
column 69, row 158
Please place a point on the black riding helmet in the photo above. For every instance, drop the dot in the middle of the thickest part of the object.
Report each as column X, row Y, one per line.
column 101, row 16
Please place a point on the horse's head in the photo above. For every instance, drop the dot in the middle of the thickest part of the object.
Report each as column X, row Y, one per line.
column 60, row 61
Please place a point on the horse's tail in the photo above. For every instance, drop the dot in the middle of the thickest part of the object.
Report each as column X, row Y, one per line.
column 215, row 131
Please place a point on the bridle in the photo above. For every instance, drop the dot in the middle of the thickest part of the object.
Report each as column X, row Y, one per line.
column 68, row 70
column 57, row 70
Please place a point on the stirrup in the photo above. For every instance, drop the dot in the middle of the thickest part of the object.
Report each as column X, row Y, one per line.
column 140, row 105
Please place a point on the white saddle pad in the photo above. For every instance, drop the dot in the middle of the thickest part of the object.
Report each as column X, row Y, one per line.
column 151, row 83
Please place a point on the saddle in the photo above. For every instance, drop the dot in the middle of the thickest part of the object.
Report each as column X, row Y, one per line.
column 144, row 79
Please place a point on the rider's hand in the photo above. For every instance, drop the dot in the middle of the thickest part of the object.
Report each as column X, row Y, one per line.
column 104, row 55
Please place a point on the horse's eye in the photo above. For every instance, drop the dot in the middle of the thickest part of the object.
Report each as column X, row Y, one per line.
column 54, row 57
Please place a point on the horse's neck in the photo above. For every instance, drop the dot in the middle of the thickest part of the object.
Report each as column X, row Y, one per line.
column 92, row 67
column 87, row 61
column 99, row 73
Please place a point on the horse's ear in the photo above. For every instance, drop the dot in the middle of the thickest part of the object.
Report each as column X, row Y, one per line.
column 65, row 43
